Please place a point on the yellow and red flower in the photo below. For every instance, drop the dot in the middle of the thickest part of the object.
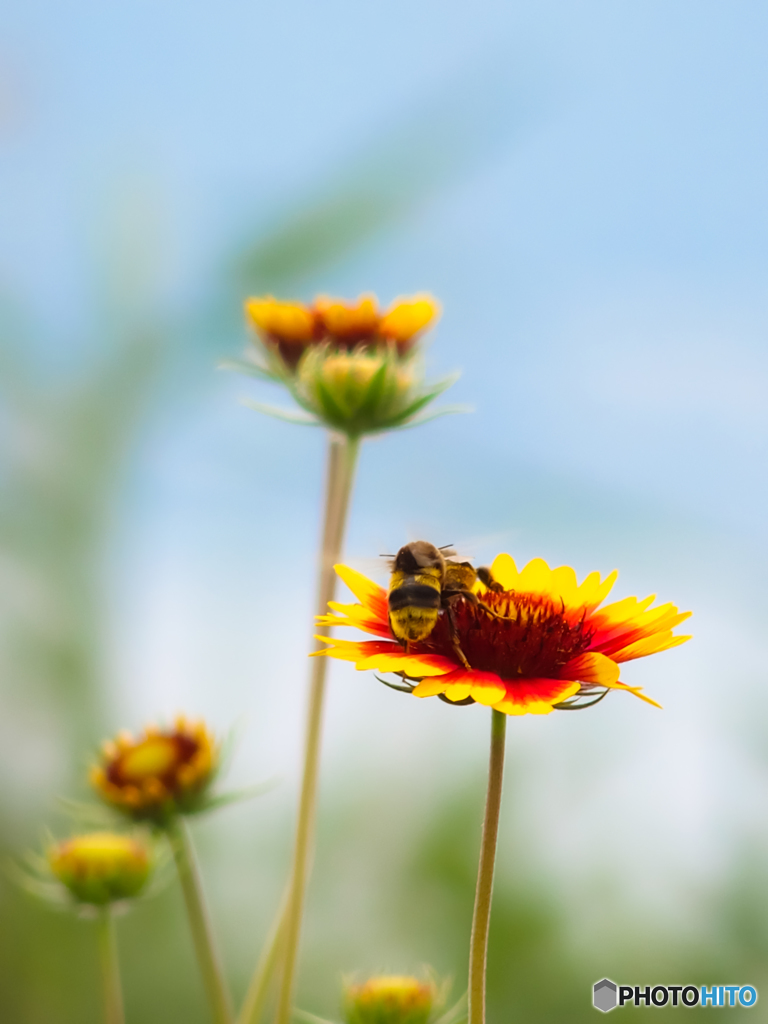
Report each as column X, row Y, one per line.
column 539, row 642
column 293, row 327
column 161, row 772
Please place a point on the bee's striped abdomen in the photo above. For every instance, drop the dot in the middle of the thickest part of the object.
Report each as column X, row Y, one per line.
column 414, row 604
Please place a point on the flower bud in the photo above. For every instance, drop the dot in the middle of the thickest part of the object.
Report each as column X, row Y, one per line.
column 351, row 367
column 361, row 390
column 389, row 1000
column 158, row 774
column 101, row 867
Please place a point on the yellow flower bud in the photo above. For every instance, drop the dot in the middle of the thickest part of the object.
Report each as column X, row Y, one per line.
column 101, row 867
column 396, row 999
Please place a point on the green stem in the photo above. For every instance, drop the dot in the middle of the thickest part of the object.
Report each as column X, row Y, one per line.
column 478, row 946
column 110, row 970
column 199, row 921
column 342, row 459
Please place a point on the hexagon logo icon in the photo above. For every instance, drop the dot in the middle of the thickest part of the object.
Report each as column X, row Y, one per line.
column 604, row 995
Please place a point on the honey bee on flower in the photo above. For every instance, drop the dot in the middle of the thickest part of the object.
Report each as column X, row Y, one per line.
column 524, row 641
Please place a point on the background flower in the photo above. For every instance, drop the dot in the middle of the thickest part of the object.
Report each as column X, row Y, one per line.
column 101, row 867
column 159, row 773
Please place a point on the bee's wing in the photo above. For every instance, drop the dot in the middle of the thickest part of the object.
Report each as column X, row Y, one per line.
column 482, row 549
column 378, row 569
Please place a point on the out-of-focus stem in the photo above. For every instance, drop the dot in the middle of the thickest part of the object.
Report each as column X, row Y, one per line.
column 342, row 460
column 478, row 946
column 199, row 922
column 258, row 989
column 110, row 970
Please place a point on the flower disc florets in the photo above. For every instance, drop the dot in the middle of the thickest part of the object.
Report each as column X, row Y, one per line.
column 101, row 867
column 536, row 640
column 389, row 1000
column 350, row 367
column 159, row 773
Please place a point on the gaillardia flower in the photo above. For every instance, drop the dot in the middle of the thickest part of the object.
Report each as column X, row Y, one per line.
column 391, row 999
column 101, row 867
column 160, row 773
column 349, row 366
column 532, row 641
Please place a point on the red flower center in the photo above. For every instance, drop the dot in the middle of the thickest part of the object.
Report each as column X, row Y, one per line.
column 533, row 639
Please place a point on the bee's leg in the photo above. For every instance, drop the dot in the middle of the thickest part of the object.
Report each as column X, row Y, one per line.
column 470, row 596
column 455, row 636
column 486, row 577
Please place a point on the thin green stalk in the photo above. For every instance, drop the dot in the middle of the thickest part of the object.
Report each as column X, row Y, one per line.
column 258, row 989
column 342, row 460
column 478, row 946
column 199, row 922
column 110, row 970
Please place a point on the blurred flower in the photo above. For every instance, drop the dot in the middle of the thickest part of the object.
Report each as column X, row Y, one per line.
column 535, row 641
column 350, row 367
column 290, row 328
column 389, row 1000
column 101, row 867
column 161, row 773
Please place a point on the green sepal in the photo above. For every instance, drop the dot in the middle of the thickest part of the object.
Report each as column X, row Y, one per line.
column 236, row 796
column 248, row 368
column 289, row 415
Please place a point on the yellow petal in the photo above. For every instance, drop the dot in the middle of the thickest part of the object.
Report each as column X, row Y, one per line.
column 592, row 667
column 429, row 688
column 289, row 320
column 650, row 645
column 536, row 577
column 489, row 694
column 365, row 590
column 504, row 571
column 458, row 691
column 407, row 316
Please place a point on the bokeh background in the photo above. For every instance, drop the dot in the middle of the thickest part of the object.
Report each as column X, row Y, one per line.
column 584, row 187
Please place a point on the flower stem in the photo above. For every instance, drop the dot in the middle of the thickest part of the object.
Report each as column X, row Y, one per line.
column 110, row 970
column 199, row 921
column 478, row 946
column 256, row 996
column 342, row 459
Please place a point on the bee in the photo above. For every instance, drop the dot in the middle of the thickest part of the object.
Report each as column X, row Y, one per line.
column 425, row 581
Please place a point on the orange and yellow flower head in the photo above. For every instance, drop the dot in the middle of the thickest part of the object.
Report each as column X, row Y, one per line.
column 536, row 641
column 348, row 365
column 101, row 867
column 393, row 999
column 160, row 773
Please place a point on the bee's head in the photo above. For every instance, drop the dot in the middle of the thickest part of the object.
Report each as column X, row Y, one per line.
column 419, row 554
